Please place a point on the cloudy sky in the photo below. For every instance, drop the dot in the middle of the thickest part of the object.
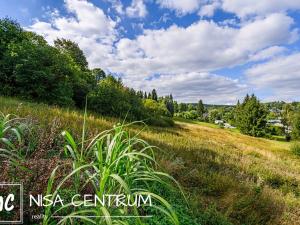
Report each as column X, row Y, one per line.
column 216, row 50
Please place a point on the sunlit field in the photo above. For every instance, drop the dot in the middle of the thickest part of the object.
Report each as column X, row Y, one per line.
column 227, row 177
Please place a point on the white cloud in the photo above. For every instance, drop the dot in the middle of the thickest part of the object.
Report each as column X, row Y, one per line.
column 190, row 87
column 203, row 46
column 208, row 10
column 137, row 9
column 185, row 54
column 87, row 21
column 268, row 53
column 117, row 6
column 181, row 7
column 244, row 8
column 281, row 74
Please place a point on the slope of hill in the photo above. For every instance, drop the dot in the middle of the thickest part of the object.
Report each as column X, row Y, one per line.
column 249, row 180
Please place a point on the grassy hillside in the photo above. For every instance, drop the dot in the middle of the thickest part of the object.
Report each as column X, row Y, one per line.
column 249, row 180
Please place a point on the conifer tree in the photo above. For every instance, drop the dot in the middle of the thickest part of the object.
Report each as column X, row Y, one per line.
column 250, row 117
column 154, row 95
column 200, row 108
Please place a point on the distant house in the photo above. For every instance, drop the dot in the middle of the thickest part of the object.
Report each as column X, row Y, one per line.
column 288, row 130
column 227, row 125
column 205, row 115
column 276, row 123
column 275, row 110
column 219, row 122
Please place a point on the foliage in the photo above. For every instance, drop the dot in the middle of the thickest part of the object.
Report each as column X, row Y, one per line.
column 42, row 74
column 275, row 130
column 112, row 162
column 10, row 34
column 11, row 138
column 287, row 114
column 168, row 101
column 112, row 98
column 154, row 95
column 99, row 74
column 155, row 108
column 200, row 108
column 191, row 115
column 32, row 69
column 73, row 50
column 182, row 107
column 83, row 81
column 296, row 126
column 213, row 115
column 158, row 113
column 250, row 117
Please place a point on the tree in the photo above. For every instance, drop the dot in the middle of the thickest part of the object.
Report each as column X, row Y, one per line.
column 182, row 107
column 155, row 108
column 168, row 100
column 140, row 94
column 213, row 115
column 287, row 113
column 11, row 34
column 200, row 108
column 112, row 98
column 190, row 107
column 154, row 95
column 176, row 110
column 85, row 80
column 250, row 117
column 73, row 50
column 42, row 73
column 98, row 74
column 296, row 126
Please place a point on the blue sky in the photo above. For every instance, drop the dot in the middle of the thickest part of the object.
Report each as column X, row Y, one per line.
column 216, row 50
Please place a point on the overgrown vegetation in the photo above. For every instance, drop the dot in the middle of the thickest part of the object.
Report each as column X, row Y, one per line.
column 59, row 75
column 228, row 177
column 111, row 163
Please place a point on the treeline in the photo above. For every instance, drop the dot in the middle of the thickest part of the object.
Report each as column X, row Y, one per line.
column 32, row 69
column 250, row 116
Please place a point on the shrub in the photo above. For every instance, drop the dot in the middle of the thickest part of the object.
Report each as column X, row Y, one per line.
column 190, row 115
column 161, row 121
column 275, row 130
column 155, row 109
column 112, row 98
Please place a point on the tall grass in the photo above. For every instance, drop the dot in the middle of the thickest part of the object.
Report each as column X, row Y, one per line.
column 11, row 132
column 112, row 162
column 295, row 148
column 250, row 180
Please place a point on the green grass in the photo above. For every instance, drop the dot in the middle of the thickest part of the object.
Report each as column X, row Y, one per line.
column 226, row 176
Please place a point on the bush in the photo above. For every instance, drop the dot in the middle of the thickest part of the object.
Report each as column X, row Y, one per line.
column 295, row 148
column 160, row 121
column 112, row 98
column 190, row 115
column 275, row 130
column 155, row 108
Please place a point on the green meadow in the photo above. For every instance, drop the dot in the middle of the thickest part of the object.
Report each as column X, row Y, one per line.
column 226, row 177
